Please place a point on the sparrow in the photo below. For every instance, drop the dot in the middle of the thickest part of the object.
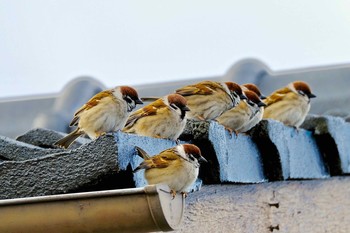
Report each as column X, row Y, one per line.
column 259, row 114
column 289, row 104
column 163, row 118
column 236, row 118
column 177, row 167
column 107, row 111
column 208, row 99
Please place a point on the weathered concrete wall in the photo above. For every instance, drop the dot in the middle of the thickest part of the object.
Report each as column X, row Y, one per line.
column 288, row 206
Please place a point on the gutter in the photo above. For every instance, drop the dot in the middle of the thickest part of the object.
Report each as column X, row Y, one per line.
column 146, row 209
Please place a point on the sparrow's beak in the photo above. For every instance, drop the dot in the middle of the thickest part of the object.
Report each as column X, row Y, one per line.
column 261, row 104
column 138, row 101
column 243, row 97
column 185, row 108
column 311, row 95
column 202, row 159
column 262, row 97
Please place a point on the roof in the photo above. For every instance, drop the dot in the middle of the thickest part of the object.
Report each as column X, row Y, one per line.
column 54, row 111
column 315, row 156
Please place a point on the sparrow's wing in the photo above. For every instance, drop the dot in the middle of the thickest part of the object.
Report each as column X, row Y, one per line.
column 163, row 160
column 202, row 88
column 276, row 96
column 148, row 110
column 91, row 103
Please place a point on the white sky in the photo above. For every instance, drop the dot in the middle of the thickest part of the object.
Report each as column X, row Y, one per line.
column 46, row 43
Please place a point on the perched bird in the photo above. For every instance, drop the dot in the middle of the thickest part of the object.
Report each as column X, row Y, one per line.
column 289, row 104
column 177, row 167
column 107, row 111
column 236, row 118
column 163, row 118
column 259, row 114
column 208, row 100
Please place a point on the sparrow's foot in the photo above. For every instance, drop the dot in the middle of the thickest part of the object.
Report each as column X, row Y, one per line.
column 184, row 194
column 101, row 134
column 201, row 118
column 295, row 128
column 173, row 193
column 230, row 131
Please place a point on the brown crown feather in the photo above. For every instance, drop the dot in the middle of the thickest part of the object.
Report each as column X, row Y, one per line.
column 129, row 91
column 302, row 86
column 252, row 96
column 177, row 99
column 192, row 149
column 234, row 87
column 253, row 87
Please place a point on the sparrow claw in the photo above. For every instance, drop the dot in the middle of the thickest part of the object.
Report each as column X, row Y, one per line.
column 101, row 134
column 230, row 131
column 295, row 128
column 184, row 194
column 201, row 118
column 173, row 193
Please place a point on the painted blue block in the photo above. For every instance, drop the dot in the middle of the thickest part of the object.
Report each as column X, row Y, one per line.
column 339, row 129
column 127, row 153
column 238, row 157
column 299, row 154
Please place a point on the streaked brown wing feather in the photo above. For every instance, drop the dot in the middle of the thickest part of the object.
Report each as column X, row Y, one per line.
column 202, row 88
column 91, row 103
column 161, row 160
column 148, row 110
column 276, row 96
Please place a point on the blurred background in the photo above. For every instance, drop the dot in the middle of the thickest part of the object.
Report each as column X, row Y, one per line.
column 55, row 55
column 46, row 43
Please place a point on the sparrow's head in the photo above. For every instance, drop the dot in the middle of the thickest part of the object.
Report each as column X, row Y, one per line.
column 191, row 153
column 302, row 88
column 130, row 96
column 254, row 88
column 178, row 103
column 253, row 99
column 235, row 90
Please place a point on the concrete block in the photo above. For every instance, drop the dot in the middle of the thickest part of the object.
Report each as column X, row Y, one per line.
column 299, row 154
column 45, row 138
column 12, row 150
column 332, row 136
column 270, row 156
column 238, row 157
column 61, row 172
column 230, row 159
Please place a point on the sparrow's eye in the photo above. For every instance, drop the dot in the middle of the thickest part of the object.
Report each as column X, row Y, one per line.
column 251, row 103
column 191, row 157
column 128, row 99
column 174, row 106
column 301, row 92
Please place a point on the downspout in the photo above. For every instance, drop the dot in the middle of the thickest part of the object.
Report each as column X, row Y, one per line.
column 127, row 210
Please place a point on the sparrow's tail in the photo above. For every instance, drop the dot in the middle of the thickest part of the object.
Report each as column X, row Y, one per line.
column 143, row 154
column 149, row 99
column 69, row 139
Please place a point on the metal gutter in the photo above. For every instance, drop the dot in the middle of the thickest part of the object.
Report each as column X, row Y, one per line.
column 128, row 210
